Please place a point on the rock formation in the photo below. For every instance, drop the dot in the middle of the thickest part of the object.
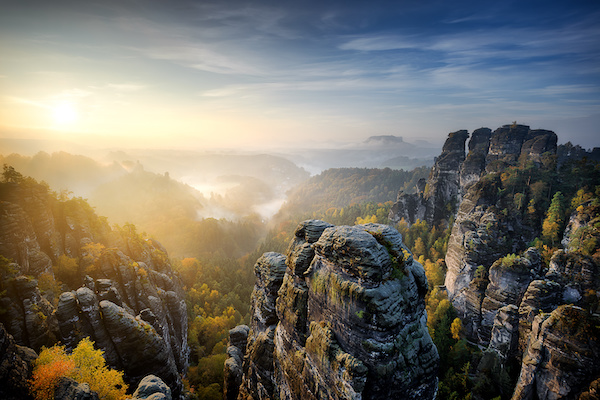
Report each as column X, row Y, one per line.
column 562, row 356
column 349, row 320
column 16, row 365
column 69, row 389
column 454, row 172
column 152, row 388
column 441, row 194
column 510, row 303
column 121, row 290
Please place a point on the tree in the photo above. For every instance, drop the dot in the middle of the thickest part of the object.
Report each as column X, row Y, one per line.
column 90, row 367
column 84, row 365
column 67, row 270
column 419, row 247
column 51, row 365
column 553, row 223
column 456, row 328
column 10, row 175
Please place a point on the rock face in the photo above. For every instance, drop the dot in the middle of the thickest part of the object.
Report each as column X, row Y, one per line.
column 121, row 290
column 482, row 233
column 238, row 339
column 562, row 356
column 152, row 388
column 441, row 194
column 536, row 319
column 68, row 389
column 16, row 365
column 349, row 319
column 454, row 172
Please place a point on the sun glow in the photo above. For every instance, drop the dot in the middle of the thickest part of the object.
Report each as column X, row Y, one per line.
column 65, row 114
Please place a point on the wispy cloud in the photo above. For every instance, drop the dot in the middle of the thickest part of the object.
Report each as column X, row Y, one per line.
column 381, row 43
column 126, row 87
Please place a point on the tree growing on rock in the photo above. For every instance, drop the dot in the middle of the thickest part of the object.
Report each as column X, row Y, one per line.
column 85, row 365
column 553, row 223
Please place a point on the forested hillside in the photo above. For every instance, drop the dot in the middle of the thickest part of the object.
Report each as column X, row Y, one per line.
column 533, row 217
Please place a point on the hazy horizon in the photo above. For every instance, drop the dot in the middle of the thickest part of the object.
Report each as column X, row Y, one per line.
column 262, row 74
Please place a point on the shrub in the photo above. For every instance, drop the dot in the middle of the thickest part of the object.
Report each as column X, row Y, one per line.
column 85, row 364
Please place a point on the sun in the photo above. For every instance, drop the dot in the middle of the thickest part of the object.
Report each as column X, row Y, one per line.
column 65, row 114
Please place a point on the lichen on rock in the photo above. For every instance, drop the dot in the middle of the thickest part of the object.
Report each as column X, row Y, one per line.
column 350, row 322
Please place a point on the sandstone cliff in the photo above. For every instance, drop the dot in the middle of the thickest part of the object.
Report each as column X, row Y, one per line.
column 528, row 314
column 518, row 307
column 454, row 171
column 439, row 198
column 341, row 317
column 119, row 288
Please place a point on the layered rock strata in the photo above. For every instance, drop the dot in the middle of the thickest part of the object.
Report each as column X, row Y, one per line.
column 454, row 172
column 350, row 319
column 440, row 196
column 562, row 356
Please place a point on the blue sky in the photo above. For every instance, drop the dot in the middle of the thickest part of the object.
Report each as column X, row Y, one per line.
column 305, row 73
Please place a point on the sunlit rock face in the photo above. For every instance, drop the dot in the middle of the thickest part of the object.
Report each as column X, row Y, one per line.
column 131, row 303
column 350, row 319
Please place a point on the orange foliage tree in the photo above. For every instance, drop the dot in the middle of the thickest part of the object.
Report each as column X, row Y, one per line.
column 85, row 364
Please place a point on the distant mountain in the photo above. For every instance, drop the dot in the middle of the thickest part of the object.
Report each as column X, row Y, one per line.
column 385, row 139
column 375, row 152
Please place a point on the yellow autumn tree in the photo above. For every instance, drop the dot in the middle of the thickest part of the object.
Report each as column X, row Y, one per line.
column 456, row 328
column 85, row 364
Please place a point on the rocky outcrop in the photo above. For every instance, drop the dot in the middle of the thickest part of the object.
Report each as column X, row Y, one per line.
column 453, row 173
column 541, row 296
column 505, row 146
column 562, row 356
column 16, row 365
column 120, row 289
column 474, row 165
column 139, row 345
column 441, row 194
column 350, row 319
column 485, row 231
column 238, row 339
column 69, row 389
column 508, row 281
column 29, row 317
column 152, row 388
column 505, row 332
column 538, row 143
column 258, row 369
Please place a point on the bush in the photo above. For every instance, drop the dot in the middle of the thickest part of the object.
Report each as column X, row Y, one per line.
column 84, row 365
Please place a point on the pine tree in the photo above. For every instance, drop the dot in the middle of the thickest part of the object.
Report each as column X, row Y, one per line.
column 553, row 223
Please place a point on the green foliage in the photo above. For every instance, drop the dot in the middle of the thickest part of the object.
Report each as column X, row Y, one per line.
column 66, row 269
column 218, row 298
column 49, row 287
column 343, row 187
column 509, row 260
column 206, row 377
column 426, row 241
column 9, row 175
column 553, row 224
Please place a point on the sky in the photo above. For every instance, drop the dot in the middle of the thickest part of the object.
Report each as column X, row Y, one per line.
column 261, row 74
